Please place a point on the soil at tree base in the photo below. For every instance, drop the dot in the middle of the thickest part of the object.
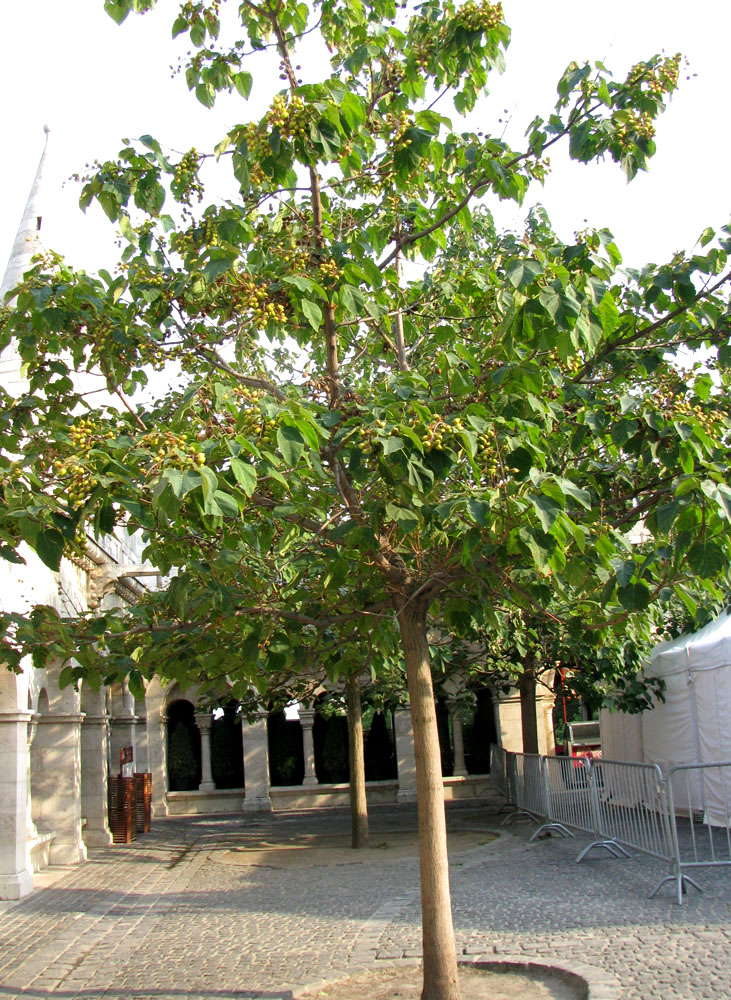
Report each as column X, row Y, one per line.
column 316, row 850
column 405, row 983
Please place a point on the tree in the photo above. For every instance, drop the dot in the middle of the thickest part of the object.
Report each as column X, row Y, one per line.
column 354, row 443
column 599, row 666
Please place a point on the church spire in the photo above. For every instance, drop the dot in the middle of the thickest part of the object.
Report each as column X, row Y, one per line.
column 28, row 240
column 27, row 244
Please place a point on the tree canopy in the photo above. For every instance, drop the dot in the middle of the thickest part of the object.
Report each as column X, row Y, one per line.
column 388, row 410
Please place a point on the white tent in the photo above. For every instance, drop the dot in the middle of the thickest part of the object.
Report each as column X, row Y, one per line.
column 692, row 725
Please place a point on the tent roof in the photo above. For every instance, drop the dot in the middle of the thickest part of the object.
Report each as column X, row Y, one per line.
column 707, row 649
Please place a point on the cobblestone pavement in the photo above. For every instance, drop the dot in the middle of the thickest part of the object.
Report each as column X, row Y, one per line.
column 167, row 918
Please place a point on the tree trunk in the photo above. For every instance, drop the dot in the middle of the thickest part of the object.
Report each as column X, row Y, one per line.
column 358, row 803
column 438, row 943
column 528, row 720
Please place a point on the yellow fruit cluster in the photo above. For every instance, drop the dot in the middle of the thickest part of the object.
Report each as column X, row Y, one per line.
column 482, row 16
column 630, row 126
column 329, row 270
column 291, row 118
column 84, row 432
column 661, row 79
column 178, row 450
column 186, row 182
column 79, row 482
column 435, row 436
column 255, row 298
column 396, row 125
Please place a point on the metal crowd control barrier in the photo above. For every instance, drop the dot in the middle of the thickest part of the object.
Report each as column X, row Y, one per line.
column 632, row 807
column 499, row 777
column 699, row 810
column 619, row 804
column 525, row 775
column 568, row 800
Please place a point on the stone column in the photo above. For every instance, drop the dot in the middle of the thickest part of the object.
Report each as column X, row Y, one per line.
column 94, row 779
column 204, row 722
column 307, row 718
column 405, row 756
column 157, row 732
column 460, row 770
column 30, row 826
column 123, row 725
column 16, row 879
column 142, row 744
column 256, row 766
column 57, row 778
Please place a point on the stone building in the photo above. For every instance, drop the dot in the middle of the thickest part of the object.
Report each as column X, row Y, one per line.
column 58, row 746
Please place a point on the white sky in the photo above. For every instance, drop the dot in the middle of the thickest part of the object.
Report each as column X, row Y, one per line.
column 66, row 63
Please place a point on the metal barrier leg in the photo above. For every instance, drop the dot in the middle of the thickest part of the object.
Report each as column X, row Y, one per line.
column 551, row 827
column 680, row 879
column 519, row 814
column 610, row 845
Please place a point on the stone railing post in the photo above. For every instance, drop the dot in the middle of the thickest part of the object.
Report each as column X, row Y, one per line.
column 204, row 721
column 405, row 755
column 307, row 719
column 256, row 766
column 460, row 769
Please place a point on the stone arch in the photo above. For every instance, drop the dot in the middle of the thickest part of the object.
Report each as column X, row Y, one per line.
column 183, row 746
column 330, row 742
column 227, row 747
column 286, row 756
column 481, row 730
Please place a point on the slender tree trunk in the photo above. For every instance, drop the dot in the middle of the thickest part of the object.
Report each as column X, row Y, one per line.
column 358, row 803
column 528, row 719
column 439, row 947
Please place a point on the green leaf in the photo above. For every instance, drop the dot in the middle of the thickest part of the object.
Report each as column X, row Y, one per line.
column 479, row 509
column 634, row 597
column 407, row 520
column 608, row 313
column 291, row 444
column 624, row 570
column 392, row 444
column 706, row 559
column 242, row 82
column 217, row 264
column 245, row 475
column 352, row 300
column 49, row 546
column 547, row 510
column 522, row 271
column 313, row 313
column 209, row 482
column 226, row 504
column 572, row 490
column 520, row 460
column 723, row 498
column 117, row 9
column 182, row 482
